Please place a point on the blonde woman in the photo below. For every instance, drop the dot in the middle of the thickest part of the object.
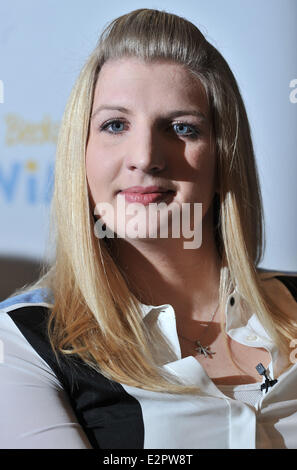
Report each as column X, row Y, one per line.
column 140, row 341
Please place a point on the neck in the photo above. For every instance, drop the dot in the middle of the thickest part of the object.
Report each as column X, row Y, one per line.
column 161, row 271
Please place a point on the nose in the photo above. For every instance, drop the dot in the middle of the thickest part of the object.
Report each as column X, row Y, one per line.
column 145, row 153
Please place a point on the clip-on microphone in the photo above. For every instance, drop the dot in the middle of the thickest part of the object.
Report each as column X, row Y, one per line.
column 268, row 383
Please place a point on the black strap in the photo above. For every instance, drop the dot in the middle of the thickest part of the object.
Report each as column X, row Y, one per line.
column 110, row 417
column 291, row 283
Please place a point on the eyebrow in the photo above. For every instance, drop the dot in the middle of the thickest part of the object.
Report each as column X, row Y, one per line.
column 170, row 115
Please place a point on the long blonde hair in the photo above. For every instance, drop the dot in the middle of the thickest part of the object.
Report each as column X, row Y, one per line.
column 94, row 313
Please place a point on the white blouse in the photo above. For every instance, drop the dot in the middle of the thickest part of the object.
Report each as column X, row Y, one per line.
column 247, row 393
column 35, row 411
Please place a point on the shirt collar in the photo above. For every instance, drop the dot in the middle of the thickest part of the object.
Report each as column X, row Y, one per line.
column 237, row 311
column 242, row 323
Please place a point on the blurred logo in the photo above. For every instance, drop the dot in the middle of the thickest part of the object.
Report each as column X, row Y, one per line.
column 33, row 185
column 27, row 181
column 21, row 131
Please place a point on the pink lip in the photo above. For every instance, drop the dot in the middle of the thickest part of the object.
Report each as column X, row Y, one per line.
column 145, row 189
column 147, row 195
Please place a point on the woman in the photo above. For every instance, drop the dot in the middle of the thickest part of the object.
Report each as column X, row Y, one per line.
column 132, row 340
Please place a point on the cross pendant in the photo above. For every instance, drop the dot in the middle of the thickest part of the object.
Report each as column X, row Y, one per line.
column 203, row 349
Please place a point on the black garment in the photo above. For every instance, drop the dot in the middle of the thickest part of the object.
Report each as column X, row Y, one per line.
column 110, row 417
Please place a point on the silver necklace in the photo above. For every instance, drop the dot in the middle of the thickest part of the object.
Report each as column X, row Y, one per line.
column 203, row 350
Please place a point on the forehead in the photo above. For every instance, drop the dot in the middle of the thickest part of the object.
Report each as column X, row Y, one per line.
column 134, row 77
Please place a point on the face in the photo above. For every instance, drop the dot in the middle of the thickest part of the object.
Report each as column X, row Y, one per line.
column 150, row 127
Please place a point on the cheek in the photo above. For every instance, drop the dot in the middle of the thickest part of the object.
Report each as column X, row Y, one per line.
column 203, row 163
column 203, row 173
column 101, row 172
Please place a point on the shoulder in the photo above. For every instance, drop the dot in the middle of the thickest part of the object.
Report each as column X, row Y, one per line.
column 26, row 314
column 34, row 404
column 24, row 328
column 29, row 309
column 281, row 286
column 290, row 282
column 35, row 297
column 288, row 279
column 25, row 350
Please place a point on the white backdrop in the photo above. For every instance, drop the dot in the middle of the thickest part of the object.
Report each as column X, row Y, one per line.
column 43, row 45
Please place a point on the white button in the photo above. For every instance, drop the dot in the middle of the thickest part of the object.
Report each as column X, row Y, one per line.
column 251, row 338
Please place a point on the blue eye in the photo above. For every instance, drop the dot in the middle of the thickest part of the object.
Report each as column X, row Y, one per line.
column 116, row 127
column 184, row 126
column 110, row 124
